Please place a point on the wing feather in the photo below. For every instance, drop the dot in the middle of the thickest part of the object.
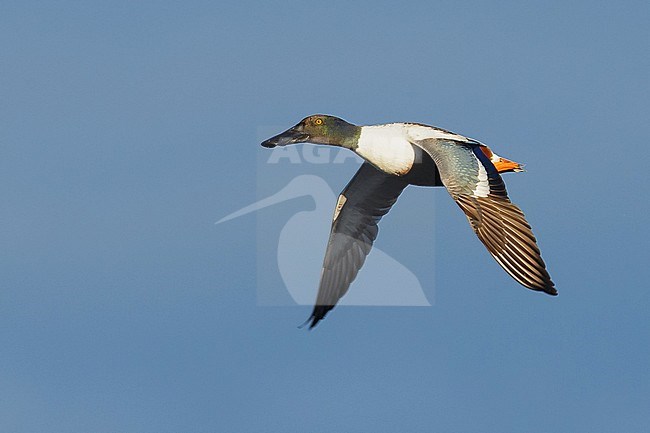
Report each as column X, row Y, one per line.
column 499, row 224
column 364, row 201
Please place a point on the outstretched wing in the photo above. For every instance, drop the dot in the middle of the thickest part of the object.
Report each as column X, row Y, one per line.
column 369, row 196
column 476, row 186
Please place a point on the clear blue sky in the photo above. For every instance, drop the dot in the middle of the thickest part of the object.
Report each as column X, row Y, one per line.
column 128, row 128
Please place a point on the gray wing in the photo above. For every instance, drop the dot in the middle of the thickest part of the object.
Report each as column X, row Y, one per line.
column 476, row 186
column 369, row 196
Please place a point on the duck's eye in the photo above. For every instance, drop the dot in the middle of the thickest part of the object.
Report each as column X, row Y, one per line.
column 318, row 122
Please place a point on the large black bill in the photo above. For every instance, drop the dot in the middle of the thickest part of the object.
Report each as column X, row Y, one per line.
column 290, row 136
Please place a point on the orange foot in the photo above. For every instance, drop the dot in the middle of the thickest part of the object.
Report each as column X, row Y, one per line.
column 501, row 164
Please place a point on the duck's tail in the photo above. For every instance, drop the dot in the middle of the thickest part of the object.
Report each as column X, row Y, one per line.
column 501, row 164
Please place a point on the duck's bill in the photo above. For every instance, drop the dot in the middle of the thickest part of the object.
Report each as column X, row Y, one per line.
column 290, row 136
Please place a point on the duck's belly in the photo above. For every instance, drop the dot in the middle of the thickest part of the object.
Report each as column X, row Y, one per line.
column 423, row 171
column 388, row 148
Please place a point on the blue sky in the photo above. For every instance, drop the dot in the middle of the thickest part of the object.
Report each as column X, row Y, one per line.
column 129, row 128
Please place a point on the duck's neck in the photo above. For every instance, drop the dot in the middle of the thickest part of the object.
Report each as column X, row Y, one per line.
column 349, row 136
column 340, row 133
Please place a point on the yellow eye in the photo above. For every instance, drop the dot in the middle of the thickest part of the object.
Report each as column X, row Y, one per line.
column 318, row 121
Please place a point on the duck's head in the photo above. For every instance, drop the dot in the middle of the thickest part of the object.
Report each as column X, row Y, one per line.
column 318, row 129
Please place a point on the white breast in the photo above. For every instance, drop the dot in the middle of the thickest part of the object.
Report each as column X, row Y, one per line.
column 387, row 148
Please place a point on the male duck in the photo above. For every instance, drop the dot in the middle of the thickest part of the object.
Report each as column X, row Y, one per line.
column 399, row 154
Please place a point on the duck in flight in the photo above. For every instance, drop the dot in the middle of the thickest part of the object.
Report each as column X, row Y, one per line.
column 400, row 154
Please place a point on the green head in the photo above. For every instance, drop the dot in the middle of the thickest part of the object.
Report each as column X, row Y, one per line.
column 318, row 129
